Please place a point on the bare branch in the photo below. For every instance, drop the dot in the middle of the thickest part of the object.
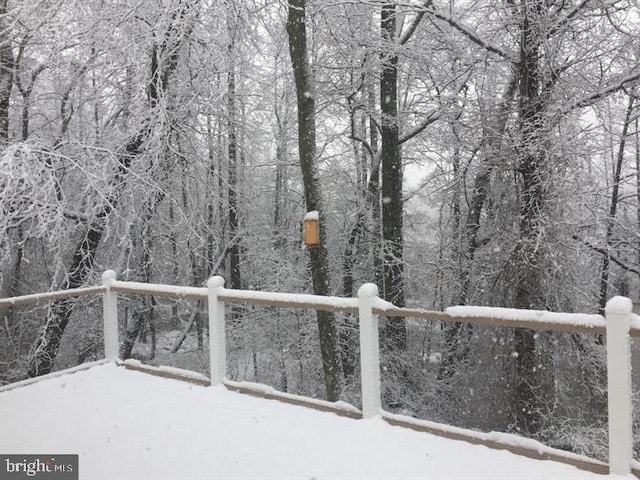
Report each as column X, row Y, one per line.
column 364, row 143
column 561, row 23
column 415, row 22
column 470, row 34
column 603, row 251
column 432, row 117
column 627, row 81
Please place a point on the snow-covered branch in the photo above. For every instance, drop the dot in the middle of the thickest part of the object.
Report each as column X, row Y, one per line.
column 470, row 34
column 430, row 118
column 629, row 80
column 603, row 251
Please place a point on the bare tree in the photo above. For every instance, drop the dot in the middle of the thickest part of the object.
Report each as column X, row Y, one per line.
column 164, row 58
column 6, row 71
column 613, row 208
column 296, row 28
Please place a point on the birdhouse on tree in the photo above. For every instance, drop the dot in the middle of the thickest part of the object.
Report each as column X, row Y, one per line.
column 312, row 229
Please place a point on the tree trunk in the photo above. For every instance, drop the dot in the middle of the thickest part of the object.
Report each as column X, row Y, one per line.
column 349, row 326
column 533, row 170
column 26, row 89
column 134, row 330
column 606, row 258
column 365, row 228
column 145, row 315
column 6, row 72
column 175, row 260
column 280, row 190
column 395, row 331
column 234, row 252
column 211, row 200
column 16, row 273
column 455, row 349
column 637, row 135
column 374, row 185
column 296, row 29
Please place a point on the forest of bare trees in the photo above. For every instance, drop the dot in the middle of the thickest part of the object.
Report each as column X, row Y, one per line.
column 458, row 153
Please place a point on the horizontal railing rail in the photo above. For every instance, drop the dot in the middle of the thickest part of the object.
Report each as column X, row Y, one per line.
column 272, row 299
column 592, row 324
column 159, row 290
column 618, row 325
column 40, row 298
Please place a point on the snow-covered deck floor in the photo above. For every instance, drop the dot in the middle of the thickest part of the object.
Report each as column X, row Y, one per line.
column 130, row 425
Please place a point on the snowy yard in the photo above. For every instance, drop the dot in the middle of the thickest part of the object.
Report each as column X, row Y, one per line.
column 130, row 425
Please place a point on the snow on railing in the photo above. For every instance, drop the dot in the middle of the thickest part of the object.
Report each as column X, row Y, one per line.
column 40, row 298
column 618, row 324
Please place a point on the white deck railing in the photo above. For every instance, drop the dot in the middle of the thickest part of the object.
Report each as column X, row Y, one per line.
column 619, row 324
column 617, row 327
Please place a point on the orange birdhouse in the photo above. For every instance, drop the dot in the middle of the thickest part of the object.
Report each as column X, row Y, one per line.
column 312, row 229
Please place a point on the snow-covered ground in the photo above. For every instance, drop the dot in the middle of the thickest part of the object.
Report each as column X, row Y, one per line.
column 130, row 425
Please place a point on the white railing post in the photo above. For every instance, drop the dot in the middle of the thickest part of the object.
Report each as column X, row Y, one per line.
column 217, row 341
column 618, row 316
column 369, row 351
column 110, row 316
